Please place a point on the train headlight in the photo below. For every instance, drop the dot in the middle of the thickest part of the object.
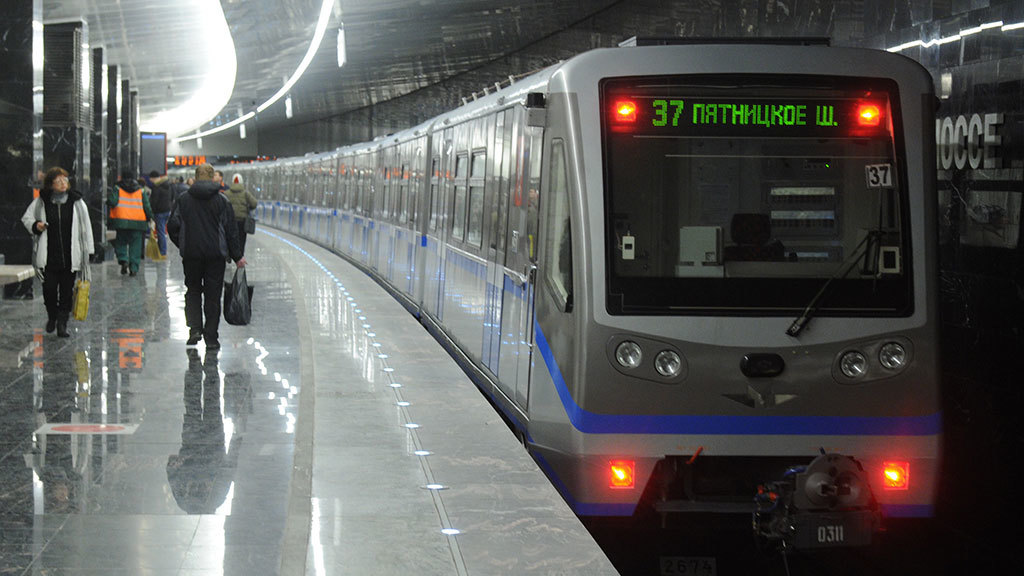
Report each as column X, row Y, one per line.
column 892, row 355
column 668, row 363
column 853, row 364
column 628, row 354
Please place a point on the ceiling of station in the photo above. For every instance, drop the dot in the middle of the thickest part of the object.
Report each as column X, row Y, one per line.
column 393, row 46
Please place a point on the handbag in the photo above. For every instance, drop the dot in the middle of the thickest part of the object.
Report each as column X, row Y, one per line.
column 250, row 225
column 238, row 300
column 153, row 247
column 80, row 298
column 80, row 309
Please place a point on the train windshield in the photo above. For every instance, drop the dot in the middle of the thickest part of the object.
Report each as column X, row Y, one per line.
column 731, row 194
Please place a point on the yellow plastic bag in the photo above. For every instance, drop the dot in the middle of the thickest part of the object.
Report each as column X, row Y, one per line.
column 81, row 307
column 152, row 248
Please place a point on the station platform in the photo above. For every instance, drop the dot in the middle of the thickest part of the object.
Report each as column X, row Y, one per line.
column 332, row 435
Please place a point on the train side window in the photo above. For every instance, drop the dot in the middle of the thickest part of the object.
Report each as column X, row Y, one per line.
column 403, row 193
column 434, row 177
column 474, row 234
column 532, row 148
column 385, row 212
column 558, row 240
column 358, row 177
column 459, row 208
column 343, row 188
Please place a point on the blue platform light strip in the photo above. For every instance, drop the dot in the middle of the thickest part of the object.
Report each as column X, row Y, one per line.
column 594, row 423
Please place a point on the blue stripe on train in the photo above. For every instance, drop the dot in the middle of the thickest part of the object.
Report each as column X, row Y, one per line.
column 593, row 423
column 908, row 510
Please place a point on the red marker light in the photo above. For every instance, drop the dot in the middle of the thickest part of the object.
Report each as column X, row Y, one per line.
column 868, row 115
column 625, row 111
column 896, row 475
column 621, row 474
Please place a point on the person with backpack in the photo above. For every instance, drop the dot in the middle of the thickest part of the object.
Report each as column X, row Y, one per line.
column 242, row 202
column 160, row 200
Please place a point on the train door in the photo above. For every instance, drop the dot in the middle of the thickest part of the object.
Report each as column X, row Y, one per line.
column 385, row 230
column 420, row 213
column 521, row 261
column 496, row 223
column 335, row 206
column 361, row 219
column 432, row 250
column 448, row 158
column 376, row 216
column 343, row 238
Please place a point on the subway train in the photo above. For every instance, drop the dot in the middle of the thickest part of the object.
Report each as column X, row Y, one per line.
column 693, row 277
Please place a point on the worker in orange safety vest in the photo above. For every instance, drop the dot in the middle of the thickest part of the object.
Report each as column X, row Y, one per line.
column 130, row 215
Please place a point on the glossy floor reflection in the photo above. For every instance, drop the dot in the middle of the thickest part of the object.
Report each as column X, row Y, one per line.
column 304, row 447
column 121, row 453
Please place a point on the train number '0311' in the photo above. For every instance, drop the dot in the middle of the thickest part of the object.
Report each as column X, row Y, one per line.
column 831, row 535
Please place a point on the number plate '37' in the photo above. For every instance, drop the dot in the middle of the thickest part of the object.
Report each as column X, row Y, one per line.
column 878, row 175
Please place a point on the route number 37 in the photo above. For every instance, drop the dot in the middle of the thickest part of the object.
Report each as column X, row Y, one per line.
column 878, row 175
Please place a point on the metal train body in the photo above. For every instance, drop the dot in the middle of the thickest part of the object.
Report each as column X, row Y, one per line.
column 537, row 228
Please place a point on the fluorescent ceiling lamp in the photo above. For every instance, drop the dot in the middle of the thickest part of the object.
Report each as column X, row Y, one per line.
column 954, row 37
column 219, row 76
column 314, row 45
column 288, row 106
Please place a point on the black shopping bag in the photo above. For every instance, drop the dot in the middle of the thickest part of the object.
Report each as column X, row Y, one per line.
column 238, row 300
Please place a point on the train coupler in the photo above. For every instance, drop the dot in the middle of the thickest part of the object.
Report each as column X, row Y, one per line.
column 827, row 503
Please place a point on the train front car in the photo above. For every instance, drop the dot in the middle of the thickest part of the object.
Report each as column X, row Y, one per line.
column 750, row 321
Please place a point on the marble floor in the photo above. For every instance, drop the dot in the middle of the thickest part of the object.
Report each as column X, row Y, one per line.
column 305, row 446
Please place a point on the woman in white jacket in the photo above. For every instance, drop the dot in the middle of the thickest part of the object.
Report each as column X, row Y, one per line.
column 59, row 220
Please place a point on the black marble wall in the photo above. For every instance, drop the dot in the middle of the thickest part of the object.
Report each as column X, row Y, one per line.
column 113, row 125
column 124, row 158
column 18, row 122
column 133, row 145
column 95, row 197
column 65, row 104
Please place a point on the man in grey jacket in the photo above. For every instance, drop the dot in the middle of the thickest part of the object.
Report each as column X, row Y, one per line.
column 202, row 226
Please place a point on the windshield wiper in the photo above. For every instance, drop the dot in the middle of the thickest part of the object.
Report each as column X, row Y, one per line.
column 844, row 269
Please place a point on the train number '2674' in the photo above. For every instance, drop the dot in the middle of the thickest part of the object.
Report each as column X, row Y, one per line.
column 688, row 566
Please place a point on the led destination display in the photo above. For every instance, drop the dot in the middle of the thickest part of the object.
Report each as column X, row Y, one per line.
column 784, row 118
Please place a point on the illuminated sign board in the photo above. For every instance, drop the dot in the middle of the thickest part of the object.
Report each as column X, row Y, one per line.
column 189, row 160
column 748, row 117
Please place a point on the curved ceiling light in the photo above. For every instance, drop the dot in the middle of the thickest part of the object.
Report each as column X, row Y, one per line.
column 955, row 37
column 219, row 81
column 314, row 45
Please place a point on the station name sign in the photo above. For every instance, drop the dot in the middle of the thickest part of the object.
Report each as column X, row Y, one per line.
column 750, row 117
column 968, row 141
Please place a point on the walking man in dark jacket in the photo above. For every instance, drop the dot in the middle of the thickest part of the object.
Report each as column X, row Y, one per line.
column 202, row 226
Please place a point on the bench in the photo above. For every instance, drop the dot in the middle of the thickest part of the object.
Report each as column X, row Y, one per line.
column 12, row 273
